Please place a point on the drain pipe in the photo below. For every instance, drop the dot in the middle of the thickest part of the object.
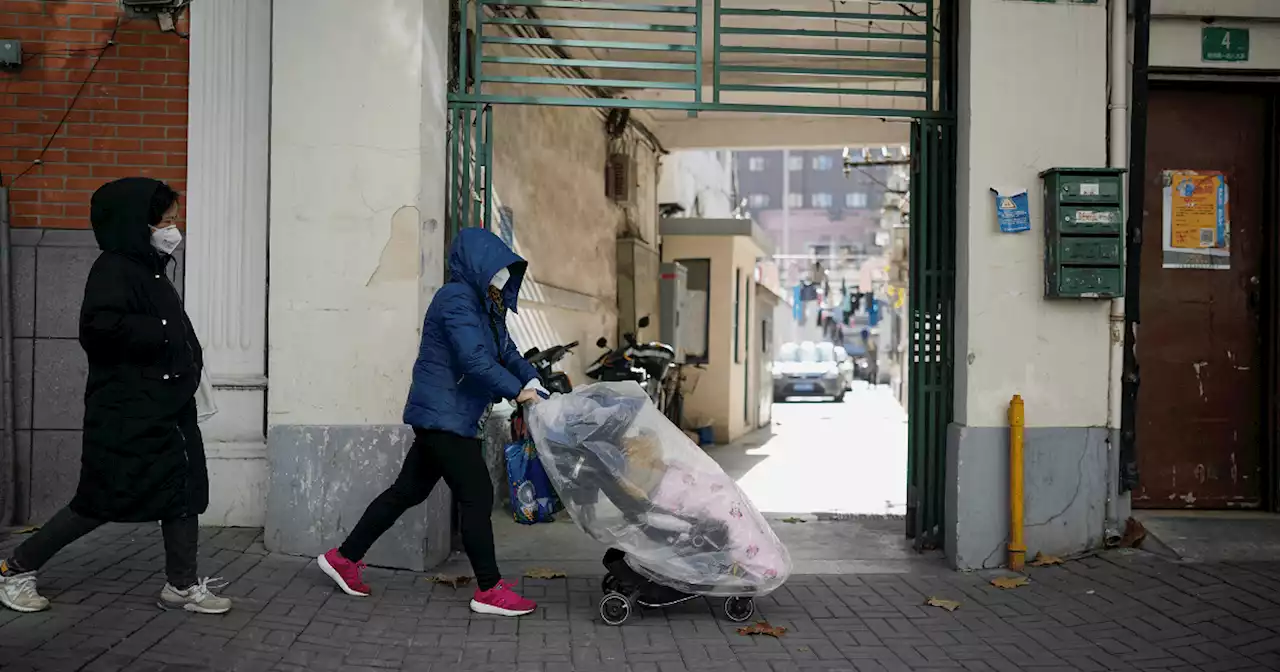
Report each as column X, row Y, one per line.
column 6, row 363
column 1117, row 157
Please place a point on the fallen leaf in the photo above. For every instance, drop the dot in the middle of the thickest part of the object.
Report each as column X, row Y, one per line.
column 451, row 581
column 543, row 573
column 27, row 530
column 1010, row 582
column 1134, row 534
column 793, row 520
column 1043, row 560
column 762, row 628
column 949, row 605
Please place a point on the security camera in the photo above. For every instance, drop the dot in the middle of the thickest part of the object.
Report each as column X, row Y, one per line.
column 148, row 7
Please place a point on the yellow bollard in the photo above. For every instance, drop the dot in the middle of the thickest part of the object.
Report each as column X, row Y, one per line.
column 1017, row 423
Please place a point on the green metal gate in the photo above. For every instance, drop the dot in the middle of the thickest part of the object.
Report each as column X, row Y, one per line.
column 709, row 56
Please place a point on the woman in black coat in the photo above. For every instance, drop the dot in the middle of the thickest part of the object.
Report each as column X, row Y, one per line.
column 143, row 456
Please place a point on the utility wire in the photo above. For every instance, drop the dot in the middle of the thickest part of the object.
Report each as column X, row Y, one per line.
column 102, row 51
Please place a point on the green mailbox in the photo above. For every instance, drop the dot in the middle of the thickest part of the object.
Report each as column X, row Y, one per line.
column 1083, row 233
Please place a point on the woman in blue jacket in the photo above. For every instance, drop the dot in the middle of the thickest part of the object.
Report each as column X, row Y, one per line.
column 465, row 363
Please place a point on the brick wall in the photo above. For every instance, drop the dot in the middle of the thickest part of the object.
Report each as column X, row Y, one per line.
column 130, row 119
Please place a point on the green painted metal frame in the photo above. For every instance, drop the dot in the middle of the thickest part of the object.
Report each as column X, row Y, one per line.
column 686, row 21
column 932, row 258
column 468, row 168
column 933, row 150
column 932, row 325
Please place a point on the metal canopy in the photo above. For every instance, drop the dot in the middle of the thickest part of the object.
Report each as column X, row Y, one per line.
column 703, row 56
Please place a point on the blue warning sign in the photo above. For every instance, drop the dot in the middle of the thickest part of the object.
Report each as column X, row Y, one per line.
column 1013, row 212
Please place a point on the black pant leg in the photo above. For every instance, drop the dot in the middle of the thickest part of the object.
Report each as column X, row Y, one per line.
column 462, row 464
column 65, row 527
column 181, row 546
column 418, row 476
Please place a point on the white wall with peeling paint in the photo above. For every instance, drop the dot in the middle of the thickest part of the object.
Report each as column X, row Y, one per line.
column 357, row 175
column 700, row 181
column 1033, row 96
column 549, row 171
column 1019, row 116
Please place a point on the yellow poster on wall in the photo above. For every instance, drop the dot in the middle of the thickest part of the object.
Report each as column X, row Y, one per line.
column 1196, row 209
column 1197, row 221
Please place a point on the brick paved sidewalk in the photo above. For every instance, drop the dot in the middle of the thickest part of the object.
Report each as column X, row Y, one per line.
column 1116, row 612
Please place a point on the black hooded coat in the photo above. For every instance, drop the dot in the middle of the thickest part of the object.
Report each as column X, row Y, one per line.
column 143, row 456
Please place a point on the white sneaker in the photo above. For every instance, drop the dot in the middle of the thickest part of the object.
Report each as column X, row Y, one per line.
column 18, row 592
column 198, row 598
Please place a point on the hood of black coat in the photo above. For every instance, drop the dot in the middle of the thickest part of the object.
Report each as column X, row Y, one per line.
column 120, row 212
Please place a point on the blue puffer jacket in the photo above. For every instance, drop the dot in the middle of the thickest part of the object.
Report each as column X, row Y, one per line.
column 466, row 360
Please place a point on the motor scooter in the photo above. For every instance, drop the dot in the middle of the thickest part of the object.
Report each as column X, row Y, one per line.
column 645, row 363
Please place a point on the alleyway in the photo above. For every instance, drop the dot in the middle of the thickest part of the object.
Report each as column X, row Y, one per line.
column 822, row 457
column 1115, row 612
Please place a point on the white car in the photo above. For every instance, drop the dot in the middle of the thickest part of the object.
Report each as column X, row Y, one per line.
column 809, row 370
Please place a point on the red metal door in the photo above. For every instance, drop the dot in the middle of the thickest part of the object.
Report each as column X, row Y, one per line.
column 1199, row 347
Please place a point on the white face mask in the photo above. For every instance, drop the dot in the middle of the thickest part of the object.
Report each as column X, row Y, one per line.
column 500, row 279
column 166, row 240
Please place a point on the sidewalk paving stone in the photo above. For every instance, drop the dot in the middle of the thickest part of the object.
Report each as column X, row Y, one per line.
column 1112, row 612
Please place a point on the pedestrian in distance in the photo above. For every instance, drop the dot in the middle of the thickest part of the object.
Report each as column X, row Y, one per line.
column 466, row 362
column 142, row 457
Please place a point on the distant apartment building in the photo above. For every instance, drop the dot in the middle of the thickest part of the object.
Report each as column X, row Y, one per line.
column 810, row 205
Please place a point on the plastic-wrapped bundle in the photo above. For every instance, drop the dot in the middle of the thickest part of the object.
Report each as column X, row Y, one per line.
column 634, row 481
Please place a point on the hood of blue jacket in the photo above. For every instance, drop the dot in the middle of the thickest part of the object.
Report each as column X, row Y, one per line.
column 476, row 255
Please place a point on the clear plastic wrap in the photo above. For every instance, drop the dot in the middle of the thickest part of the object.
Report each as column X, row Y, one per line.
column 634, row 481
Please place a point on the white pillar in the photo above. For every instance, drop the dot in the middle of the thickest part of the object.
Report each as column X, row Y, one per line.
column 226, row 250
column 357, row 205
column 1033, row 96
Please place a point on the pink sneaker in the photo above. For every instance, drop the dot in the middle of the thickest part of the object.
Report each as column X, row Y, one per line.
column 344, row 572
column 501, row 600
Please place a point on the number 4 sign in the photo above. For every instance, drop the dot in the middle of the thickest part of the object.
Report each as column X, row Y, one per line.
column 1219, row 44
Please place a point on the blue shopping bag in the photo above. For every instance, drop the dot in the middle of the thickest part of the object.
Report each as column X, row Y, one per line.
column 533, row 500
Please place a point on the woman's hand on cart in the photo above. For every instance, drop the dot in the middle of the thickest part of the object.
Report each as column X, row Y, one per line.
column 531, row 395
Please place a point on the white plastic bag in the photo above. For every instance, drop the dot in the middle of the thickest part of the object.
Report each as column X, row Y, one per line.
column 206, row 407
column 634, row 481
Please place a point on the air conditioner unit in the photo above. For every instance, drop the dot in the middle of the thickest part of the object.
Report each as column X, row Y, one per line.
column 619, row 178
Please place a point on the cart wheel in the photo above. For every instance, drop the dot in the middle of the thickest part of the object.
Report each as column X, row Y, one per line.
column 615, row 609
column 610, row 584
column 739, row 609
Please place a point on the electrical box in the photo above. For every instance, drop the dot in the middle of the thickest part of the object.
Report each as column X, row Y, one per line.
column 1083, row 233
column 672, row 289
column 10, row 54
column 637, row 272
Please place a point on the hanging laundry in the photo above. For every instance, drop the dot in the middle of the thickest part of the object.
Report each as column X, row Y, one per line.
column 838, row 315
